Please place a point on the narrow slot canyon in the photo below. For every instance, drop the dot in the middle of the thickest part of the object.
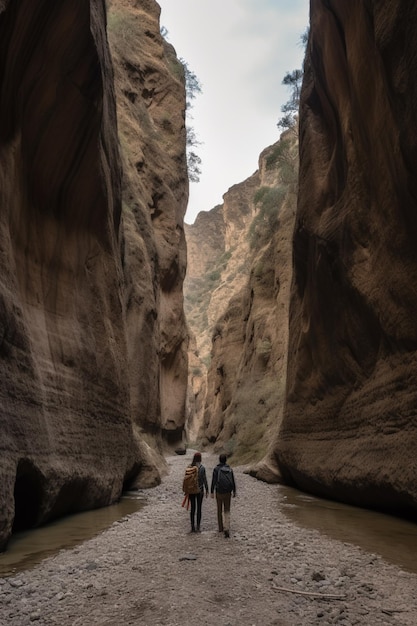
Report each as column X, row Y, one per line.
column 272, row 329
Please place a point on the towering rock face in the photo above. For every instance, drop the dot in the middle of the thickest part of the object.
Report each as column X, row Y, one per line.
column 206, row 245
column 247, row 312
column 217, row 247
column 149, row 83
column 73, row 279
column 246, row 379
column 349, row 430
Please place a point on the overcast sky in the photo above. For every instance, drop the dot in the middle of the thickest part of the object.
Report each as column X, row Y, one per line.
column 240, row 51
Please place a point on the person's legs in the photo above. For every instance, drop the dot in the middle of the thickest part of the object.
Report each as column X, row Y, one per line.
column 193, row 500
column 200, row 498
column 219, row 501
column 226, row 503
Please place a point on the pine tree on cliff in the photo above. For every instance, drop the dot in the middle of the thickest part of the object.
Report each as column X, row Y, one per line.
column 192, row 89
column 293, row 80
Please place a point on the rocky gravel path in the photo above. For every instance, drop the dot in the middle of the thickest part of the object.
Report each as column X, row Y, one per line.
column 148, row 570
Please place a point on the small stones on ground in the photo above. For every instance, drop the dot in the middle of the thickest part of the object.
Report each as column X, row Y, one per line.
column 275, row 571
column 34, row 617
column 188, row 557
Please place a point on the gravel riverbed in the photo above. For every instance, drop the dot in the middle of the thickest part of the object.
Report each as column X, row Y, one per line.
column 148, row 570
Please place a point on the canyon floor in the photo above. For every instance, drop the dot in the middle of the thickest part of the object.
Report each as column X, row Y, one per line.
column 148, row 570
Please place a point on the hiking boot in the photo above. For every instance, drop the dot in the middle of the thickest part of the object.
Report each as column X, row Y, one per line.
column 226, row 534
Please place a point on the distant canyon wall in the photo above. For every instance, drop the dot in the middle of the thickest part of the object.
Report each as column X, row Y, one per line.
column 90, row 289
column 217, row 246
column 349, row 430
column 237, row 305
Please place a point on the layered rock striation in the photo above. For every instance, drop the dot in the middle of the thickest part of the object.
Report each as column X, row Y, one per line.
column 216, row 268
column 79, row 296
column 149, row 82
column 349, row 430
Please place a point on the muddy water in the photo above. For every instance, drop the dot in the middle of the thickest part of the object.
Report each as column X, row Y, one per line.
column 30, row 547
column 394, row 539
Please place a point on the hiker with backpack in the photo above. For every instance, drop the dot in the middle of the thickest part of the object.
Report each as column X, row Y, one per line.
column 223, row 483
column 194, row 484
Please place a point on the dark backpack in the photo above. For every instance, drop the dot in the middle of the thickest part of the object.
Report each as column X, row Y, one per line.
column 224, row 479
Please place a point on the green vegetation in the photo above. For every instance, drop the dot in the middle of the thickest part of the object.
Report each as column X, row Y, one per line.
column 214, row 276
column 176, row 68
column 122, row 25
column 269, row 200
column 192, row 84
column 282, row 159
column 293, row 80
column 192, row 89
column 199, row 290
column 280, row 155
column 284, row 156
column 290, row 108
column 225, row 257
column 254, row 415
column 193, row 165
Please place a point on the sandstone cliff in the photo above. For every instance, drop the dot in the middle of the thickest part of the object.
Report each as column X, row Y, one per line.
column 206, row 252
column 349, row 430
column 149, row 83
column 89, row 289
column 246, row 315
column 215, row 270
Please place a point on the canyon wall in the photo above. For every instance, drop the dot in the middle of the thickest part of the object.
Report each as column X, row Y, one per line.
column 216, row 269
column 90, row 288
column 244, row 318
column 349, row 429
column 149, row 82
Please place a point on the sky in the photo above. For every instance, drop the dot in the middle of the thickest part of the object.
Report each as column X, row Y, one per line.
column 240, row 51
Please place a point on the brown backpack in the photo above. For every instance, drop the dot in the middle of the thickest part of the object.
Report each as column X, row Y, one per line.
column 190, row 482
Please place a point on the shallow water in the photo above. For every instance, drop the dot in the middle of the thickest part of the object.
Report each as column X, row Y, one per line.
column 28, row 548
column 392, row 538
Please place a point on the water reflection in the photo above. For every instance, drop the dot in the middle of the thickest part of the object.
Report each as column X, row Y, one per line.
column 392, row 538
column 28, row 548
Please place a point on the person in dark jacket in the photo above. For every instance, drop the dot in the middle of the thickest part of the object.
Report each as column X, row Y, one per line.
column 223, row 483
column 196, row 499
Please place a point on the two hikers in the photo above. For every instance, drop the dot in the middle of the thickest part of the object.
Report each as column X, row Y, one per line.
column 222, row 483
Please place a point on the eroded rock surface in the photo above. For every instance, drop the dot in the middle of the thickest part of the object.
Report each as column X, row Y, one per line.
column 149, row 83
column 349, row 430
column 76, row 274
column 246, row 315
column 217, row 267
column 246, row 380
